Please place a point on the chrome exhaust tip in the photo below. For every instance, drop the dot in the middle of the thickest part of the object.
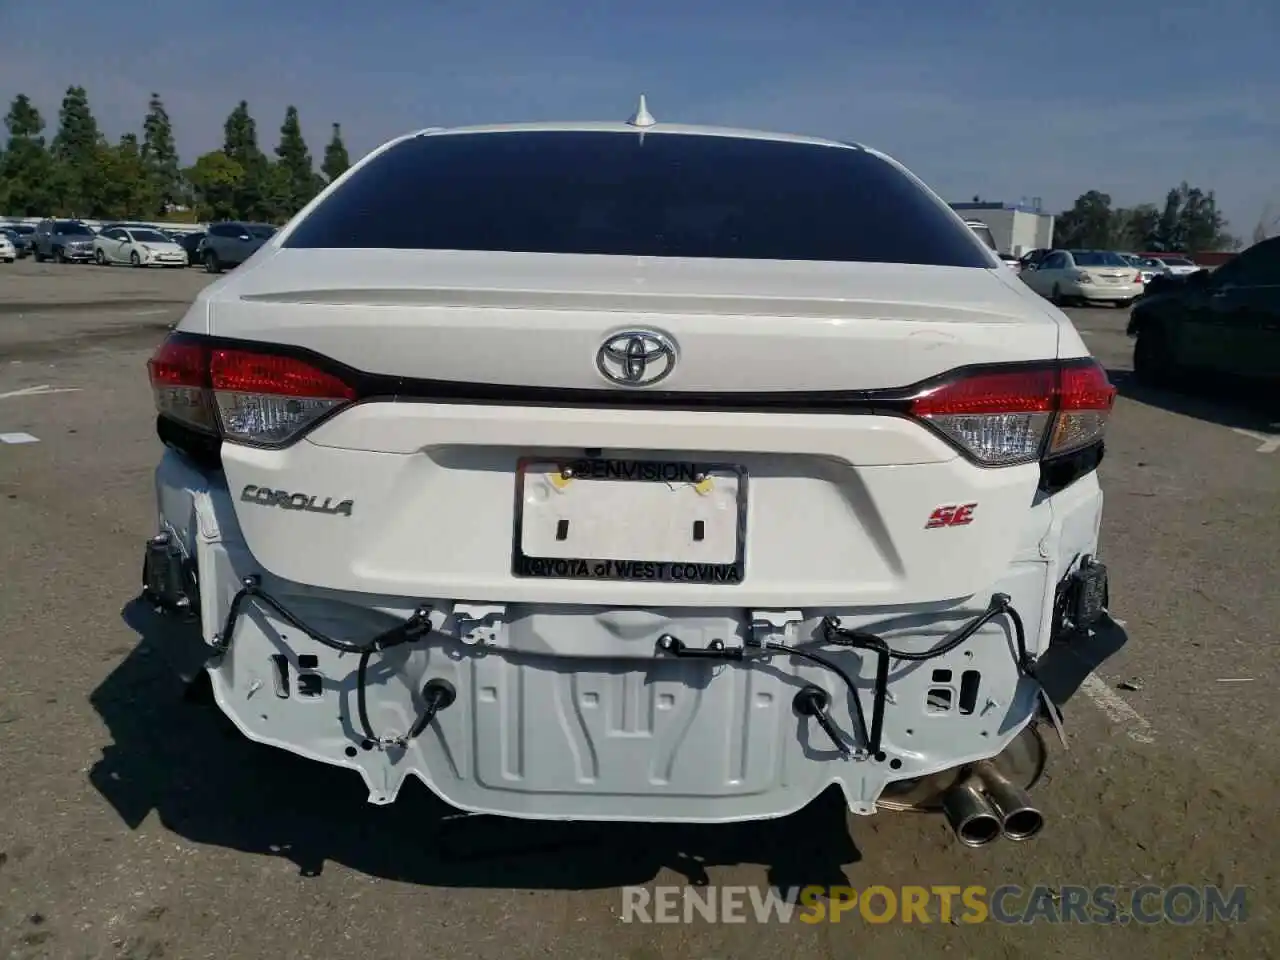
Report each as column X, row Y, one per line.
column 971, row 817
column 1019, row 817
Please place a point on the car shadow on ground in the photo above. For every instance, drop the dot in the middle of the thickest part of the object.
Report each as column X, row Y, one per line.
column 175, row 753
column 1213, row 403
column 1065, row 666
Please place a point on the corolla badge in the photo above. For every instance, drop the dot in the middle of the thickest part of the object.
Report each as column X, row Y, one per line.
column 266, row 497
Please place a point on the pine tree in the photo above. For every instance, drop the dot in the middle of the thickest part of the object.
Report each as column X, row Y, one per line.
column 240, row 143
column 336, row 160
column 76, row 148
column 297, row 177
column 26, row 171
column 160, row 155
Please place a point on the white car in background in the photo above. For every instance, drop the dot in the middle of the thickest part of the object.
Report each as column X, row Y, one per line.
column 1149, row 267
column 1091, row 276
column 633, row 472
column 137, row 246
column 8, row 252
column 1179, row 266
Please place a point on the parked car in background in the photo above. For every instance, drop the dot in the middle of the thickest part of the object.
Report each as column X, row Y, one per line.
column 231, row 244
column 190, row 242
column 1149, row 267
column 1177, row 265
column 1089, row 276
column 137, row 246
column 21, row 235
column 1032, row 258
column 130, row 224
column 63, row 240
column 8, row 252
column 984, row 234
column 1224, row 322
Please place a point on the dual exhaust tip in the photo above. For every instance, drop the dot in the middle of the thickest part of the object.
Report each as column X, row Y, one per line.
column 987, row 805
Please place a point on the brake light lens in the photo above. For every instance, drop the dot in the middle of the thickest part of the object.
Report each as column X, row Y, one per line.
column 241, row 395
column 1085, row 399
column 179, row 372
column 1007, row 417
column 268, row 399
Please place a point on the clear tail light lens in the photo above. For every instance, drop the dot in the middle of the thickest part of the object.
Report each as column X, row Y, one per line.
column 1006, row 417
column 245, row 397
column 268, row 399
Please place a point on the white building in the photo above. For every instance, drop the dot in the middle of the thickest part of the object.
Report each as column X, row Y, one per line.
column 1017, row 227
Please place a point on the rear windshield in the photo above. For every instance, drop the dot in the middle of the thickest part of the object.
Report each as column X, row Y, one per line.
column 1091, row 258
column 652, row 195
column 68, row 227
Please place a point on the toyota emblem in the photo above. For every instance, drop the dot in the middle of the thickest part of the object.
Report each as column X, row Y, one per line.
column 636, row 358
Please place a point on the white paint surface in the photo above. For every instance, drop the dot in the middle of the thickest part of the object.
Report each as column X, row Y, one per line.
column 38, row 391
column 18, row 438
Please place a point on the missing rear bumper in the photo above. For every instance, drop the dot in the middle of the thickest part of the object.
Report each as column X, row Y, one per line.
column 747, row 728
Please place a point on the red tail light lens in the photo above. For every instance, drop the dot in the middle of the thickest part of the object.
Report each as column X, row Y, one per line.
column 245, row 396
column 1003, row 417
column 179, row 373
column 1085, row 399
column 268, row 399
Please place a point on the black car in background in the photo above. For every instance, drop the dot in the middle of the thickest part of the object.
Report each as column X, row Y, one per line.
column 22, row 235
column 1222, row 324
column 190, row 242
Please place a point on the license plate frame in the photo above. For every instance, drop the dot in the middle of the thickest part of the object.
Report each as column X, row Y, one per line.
column 615, row 569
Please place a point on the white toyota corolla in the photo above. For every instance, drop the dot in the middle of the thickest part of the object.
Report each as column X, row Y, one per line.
column 634, row 471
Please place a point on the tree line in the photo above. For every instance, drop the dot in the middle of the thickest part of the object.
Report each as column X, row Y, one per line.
column 1188, row 222
column 80, row 173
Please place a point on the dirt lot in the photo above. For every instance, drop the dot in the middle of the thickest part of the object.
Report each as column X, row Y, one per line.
column 136, row 826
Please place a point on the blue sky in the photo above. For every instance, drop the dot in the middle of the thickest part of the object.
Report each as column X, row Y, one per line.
column 1002, row 98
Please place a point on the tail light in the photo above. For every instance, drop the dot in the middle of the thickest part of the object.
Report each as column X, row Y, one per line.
column 269, row 399
column 241, row 395
column 1006, row 417
column 1137, row 278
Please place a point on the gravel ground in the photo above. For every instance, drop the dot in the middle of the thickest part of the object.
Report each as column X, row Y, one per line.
column 137, row 826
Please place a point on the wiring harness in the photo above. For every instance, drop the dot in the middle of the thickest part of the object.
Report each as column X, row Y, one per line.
column 835, row 635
